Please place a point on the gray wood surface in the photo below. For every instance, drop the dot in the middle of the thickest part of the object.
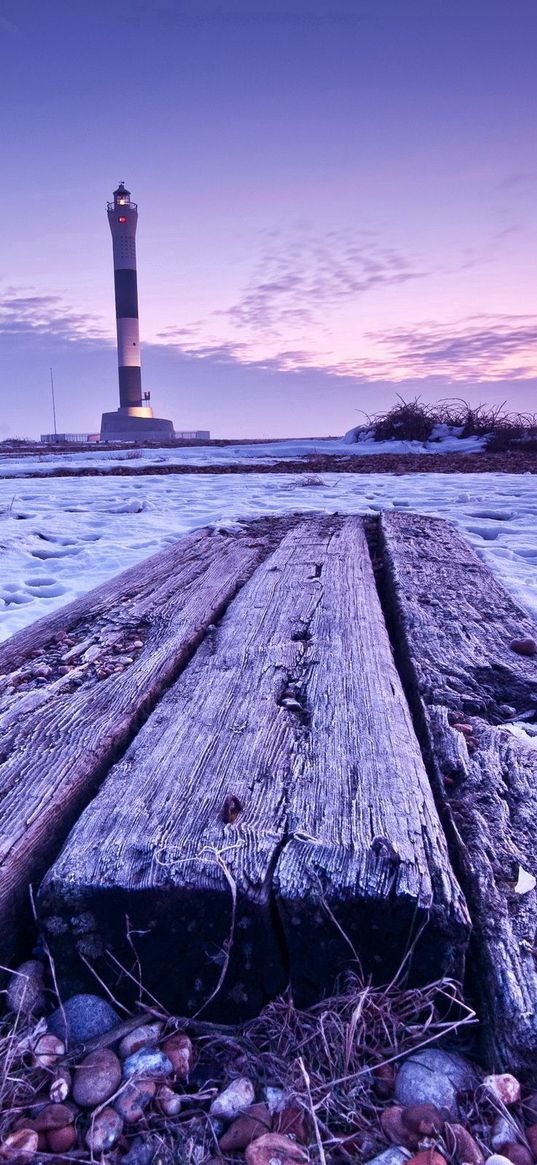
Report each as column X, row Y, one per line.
column 76, row 686
column 453, row 624
column 287, row 745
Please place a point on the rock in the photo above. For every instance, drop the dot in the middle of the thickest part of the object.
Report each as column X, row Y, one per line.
column 22, row 1144
column 86, row 1016
column 145, row 1036
column 60, row 1085
column 424, row 1119
column 504, row 1087
column 526, row 646
column 178, row 1048
column 293, row 1121
column 254, row 1122
column 428, row 1157
column 497, row 1159
column 517, row 1153
column 147, row 1062
column 240, row 1094
column 435, row 1077
column 273, row 1149
column 276, row 1098
column 134, row 1099
column 54, row 1116
column 48, row 1050
column 105, row 1129
column 461, row 1144
column 168, row 1101
column 96, row 1078
column 531, row 1137
column 25, row 992
column 391, row 1122
column 502, row 1133
column 395, row 1155
column 142, row 1151
column 61, row 1140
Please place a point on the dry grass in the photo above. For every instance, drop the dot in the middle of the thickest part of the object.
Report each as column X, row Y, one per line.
column 325, row 1058
column 415, row 420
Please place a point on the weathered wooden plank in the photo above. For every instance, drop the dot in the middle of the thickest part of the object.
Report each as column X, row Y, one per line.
column 66, row 712
column 365, row 841
column 454, row 623
column 185, row 834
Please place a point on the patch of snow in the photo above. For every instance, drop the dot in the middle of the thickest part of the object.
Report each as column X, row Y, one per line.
column 59, row 537
column 263, row 453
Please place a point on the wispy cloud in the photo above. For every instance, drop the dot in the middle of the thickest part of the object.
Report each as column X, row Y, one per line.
column 477, row 348
column 24, row 313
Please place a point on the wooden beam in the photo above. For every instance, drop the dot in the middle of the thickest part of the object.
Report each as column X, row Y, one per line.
column 77, row 685
column 257, row 758
column 453, row 624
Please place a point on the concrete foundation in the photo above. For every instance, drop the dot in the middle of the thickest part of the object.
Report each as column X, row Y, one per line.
column 122, row 426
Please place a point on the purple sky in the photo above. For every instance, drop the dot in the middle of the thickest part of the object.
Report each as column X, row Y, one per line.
column 337, row 203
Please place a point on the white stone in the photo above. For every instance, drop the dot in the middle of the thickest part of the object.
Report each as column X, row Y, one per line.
column 237, row 1096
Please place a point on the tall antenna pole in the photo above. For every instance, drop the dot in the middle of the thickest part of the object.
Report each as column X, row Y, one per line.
column 53, row 402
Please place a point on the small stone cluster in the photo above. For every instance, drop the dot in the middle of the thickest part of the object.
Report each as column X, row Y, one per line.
column 97, row 1087
column 81, row 657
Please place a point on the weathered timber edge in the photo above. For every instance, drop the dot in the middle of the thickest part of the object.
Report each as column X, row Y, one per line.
column 453, row 625
column 60, row 733
column 292, row 714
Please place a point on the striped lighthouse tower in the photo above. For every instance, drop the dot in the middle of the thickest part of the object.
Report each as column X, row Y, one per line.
column 134, row 419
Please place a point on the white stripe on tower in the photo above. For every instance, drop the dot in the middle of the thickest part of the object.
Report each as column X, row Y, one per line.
column 123, row 220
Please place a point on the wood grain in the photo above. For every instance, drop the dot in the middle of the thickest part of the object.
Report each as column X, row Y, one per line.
column 65, row 713
column 454, row 623
column 257, row 759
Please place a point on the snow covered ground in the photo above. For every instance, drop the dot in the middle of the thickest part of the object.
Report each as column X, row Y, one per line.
column 267, row 453
column 60, row 537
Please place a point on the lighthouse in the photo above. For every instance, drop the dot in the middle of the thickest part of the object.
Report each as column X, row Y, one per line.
column 134, row 420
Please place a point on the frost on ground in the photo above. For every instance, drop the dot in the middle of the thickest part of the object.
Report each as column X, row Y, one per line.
column 61, row 537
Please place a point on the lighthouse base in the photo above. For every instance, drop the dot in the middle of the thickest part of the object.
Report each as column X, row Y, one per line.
column 123, row 426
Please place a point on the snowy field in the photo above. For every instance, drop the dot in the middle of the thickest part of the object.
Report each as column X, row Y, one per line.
column 60, row 537
column 267, row 453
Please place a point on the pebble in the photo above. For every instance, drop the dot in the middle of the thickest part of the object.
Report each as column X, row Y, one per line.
column 168, row 1101
column 19, row 1145
column 87, row 1016
column 60, row 1085
column 61, row 1140
column 391, row 1122
column 25, row 992
column 395, row 1155
column 240, row 1094
column 467, row 1150
column 134, row 1099
column 105, row 1129
column 178, row 1048
column 517, row 1153
column 273, row 1149
column 96, row 1078
column 497, row 1159
column 254, row 1122
column 147, row 1062
column 502, row 1133
column 145, row 1036
column 48, row 1050
column 54, row 1116
column 526, row 646
column 435, row 1077
column 504, row 1087
column 384, row 1077
column 428, row 1157
column 141, row 1152
column 293, row 1121
column 424, row 1119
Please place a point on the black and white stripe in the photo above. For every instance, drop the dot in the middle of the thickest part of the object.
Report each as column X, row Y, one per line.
column 123, row 219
